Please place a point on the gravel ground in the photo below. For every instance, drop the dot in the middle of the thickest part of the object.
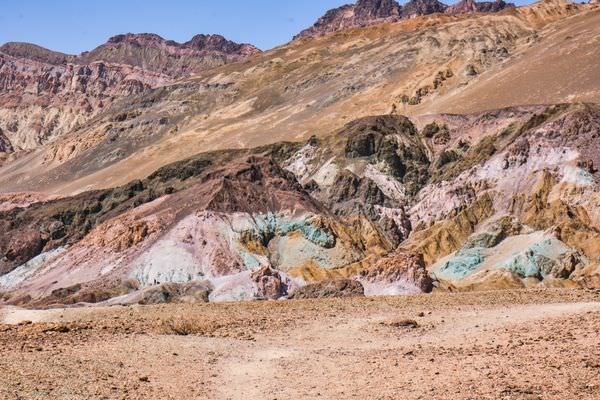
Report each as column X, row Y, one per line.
column 493, row 345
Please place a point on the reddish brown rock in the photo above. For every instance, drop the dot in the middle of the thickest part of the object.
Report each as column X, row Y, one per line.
column 407, row 268
column 20, row 247
column 153, row 53
column 363, row 13
column 415, row 8
column 372, row 12
column 471, row 6
column 268, row 283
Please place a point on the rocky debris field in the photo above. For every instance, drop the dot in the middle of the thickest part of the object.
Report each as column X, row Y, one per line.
column 489, row 345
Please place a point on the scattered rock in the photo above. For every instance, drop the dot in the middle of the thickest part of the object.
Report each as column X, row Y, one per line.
column 402, row 323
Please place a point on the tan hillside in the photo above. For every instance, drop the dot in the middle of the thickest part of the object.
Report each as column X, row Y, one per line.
column 311, row 87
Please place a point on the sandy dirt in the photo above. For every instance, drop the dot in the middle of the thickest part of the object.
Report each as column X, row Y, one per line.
column 495, row 345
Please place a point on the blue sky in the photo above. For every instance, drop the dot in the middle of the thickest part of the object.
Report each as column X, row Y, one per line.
column 72, row 26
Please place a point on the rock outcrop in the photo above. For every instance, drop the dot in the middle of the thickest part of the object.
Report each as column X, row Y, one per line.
column 397, row 273
column 5, row 145
column 471, row 6
column 416, row 8
column 269, row 284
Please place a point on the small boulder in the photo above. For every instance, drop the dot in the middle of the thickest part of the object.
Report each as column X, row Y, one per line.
column 268, row 283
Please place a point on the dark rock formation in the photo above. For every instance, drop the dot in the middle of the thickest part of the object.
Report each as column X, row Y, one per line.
column 363, row 13
column 5, row 146
column 349, row 187
column 471, row 6
column 376, row 9
column 329, row 289
column 415, row 8
column 366, row 135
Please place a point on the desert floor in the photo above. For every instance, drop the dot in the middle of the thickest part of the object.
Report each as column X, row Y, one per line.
column 494, row 345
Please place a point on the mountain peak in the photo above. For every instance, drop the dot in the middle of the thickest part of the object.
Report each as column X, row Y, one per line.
column 35, row 53
column 371, row 12
column 471, row 6
column 221, row 44
column 415, row 8
column 377, row 9
column 141, row 38
column 152, row 52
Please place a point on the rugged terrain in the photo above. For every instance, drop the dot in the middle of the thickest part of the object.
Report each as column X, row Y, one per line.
column 492, row 345
column 500, row 199
column 409, row 193
column 373, row 12
column 335, row 165
column 44, row 94
column 315, row 86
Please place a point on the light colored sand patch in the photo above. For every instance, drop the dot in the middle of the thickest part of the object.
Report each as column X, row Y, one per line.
column 298, row 164
column 23, row 272
column 14, row 315
column 325, row 176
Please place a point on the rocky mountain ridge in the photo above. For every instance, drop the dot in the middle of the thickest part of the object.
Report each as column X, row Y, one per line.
column 153, row 53
column 44, row 94
column 371, row 12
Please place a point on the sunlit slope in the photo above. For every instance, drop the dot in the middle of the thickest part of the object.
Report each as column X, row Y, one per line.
column 438, row 63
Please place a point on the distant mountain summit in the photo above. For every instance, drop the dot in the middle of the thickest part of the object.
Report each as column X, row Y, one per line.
column 152, row 52
column 371, row 12
column 146, row 50
column 470, row 6
column 363, row 13
column 415, row 8
column 36, row 53
column 46, row 93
